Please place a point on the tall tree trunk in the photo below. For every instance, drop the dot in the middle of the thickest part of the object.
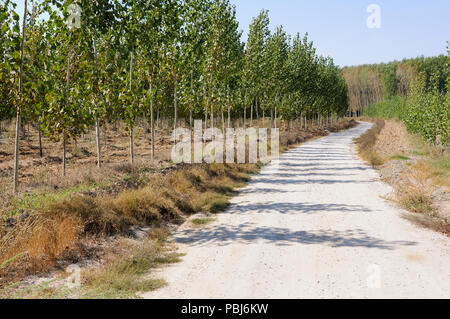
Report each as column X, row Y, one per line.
column 251, row 115
column 144, row 125
column 131, row 147
column 41, row 154
column 206, row 115
column 264, row 119
column 18, row 119
column 16, row 150
column 67, row 101
column 229, row 116
column 223, row 124
column 212, row 120
column 157, row 119
column 64, row 156
column 271, row 118
column 190, row 104
column 245, row 118
column 152, row 122
column 99, row 146
column 276, row 120
column 175, row 105
column 131, row 90
column 257, row 112
column 97, row 122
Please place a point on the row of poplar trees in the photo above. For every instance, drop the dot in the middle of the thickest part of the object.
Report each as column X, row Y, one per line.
column 128, row 59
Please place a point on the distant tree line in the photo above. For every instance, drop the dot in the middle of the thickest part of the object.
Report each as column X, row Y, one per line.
column 413, row 90
column 371, row 84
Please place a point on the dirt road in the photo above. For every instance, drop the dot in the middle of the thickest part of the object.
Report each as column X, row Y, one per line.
column 316, row 226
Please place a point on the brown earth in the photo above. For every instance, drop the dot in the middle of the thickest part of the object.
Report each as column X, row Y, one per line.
column 415, row 182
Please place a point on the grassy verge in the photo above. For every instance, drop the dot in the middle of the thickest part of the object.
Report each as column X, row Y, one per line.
column 366, row 144
column 57, row 231
column 415, row 175
column 121, row 277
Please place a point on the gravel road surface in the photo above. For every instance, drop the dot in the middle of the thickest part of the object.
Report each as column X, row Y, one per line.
column 314, row 225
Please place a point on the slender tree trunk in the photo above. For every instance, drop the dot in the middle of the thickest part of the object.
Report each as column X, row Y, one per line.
column 251, row 115
column 175, row 105
column 97, row 122
column 99, row 146
column 131, row 147
column 264, row 119
column 144, row 125
column 131, row 90
column 223, row 123
column 64, row 156
column 16, row 150
column 41, row 154
column 271, row 118
column 67, row 101
column 257, row 112
column 212, row 120
column 276, row 120
column 190, row 104
column 157, row 119
column 206, row 116
column 229, row 117
column 152, row 122
column 245, row 117
column 18, row 118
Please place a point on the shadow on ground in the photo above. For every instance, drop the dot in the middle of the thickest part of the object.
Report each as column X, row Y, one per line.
column 248, row 233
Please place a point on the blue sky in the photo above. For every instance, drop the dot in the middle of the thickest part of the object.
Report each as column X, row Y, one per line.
column 338, row 28
column 409, row 28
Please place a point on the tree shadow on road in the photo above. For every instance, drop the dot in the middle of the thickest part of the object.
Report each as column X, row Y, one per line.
column 295, row 208
column 249, row 234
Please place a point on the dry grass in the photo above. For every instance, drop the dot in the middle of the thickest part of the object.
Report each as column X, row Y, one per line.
column 37, row 244
column 202, row 221
column 434, row 223
column 415, row 168
column 57, row 231
column 366, row 144
column 416, row 194
column 123, row 277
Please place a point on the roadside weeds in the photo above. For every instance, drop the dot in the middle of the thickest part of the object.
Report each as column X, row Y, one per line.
column 415, row 169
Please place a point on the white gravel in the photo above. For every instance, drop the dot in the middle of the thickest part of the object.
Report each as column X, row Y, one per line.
column 315, row 227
